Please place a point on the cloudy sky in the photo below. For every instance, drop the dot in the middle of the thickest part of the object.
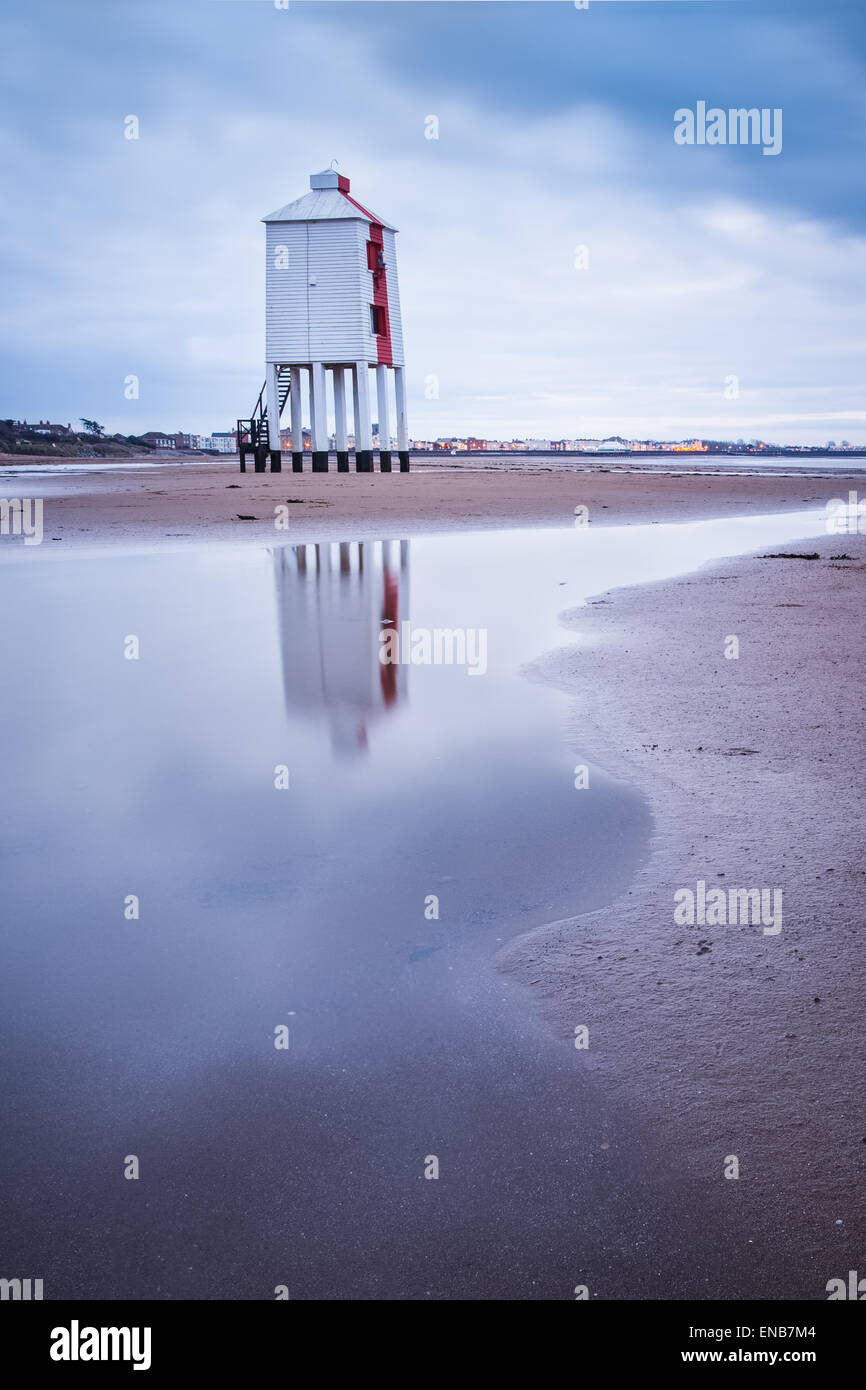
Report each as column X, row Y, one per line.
column 721, row 291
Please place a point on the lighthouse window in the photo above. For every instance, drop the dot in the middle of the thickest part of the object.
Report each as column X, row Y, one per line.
column 377, row 318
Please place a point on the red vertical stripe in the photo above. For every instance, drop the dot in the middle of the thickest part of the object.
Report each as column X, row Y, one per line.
column 380, row 287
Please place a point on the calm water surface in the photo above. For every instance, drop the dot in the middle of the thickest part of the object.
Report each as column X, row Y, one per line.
column 306, row 908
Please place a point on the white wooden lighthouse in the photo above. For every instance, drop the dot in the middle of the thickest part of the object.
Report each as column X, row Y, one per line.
column 332, row 305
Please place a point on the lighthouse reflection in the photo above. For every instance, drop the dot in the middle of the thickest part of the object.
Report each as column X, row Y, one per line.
column 333, row 600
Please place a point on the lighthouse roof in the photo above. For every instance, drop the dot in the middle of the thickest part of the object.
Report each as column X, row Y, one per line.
column 328, row 199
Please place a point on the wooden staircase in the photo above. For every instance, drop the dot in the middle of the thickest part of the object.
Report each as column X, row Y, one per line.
column 253, row 433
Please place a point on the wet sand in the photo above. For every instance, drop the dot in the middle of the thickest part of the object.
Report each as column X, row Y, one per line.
column 170, row 507
column 724, row 1040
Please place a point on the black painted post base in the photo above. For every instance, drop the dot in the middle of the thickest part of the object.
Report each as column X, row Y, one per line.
column 404, row 460
column 242, row 453
column 320, row 461
column 297, row 463
column 342, row 461
column 276, row 461
column 384, row 460
column 261, row 459
column 364, row 461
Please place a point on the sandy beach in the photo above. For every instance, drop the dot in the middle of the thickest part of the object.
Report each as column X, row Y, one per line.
column 171, row 507
column 706, row 1043
column 730, row 1041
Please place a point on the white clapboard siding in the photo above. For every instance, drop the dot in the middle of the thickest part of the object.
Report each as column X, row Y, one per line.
column 286, row 323
column 318, row 306
column 339, row 300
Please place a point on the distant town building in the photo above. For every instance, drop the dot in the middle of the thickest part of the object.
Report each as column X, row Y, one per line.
column 44, row 427
column 574, row 446
column 380, row 442
column 159, row 439
column 224, row 441
column 286, row 439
